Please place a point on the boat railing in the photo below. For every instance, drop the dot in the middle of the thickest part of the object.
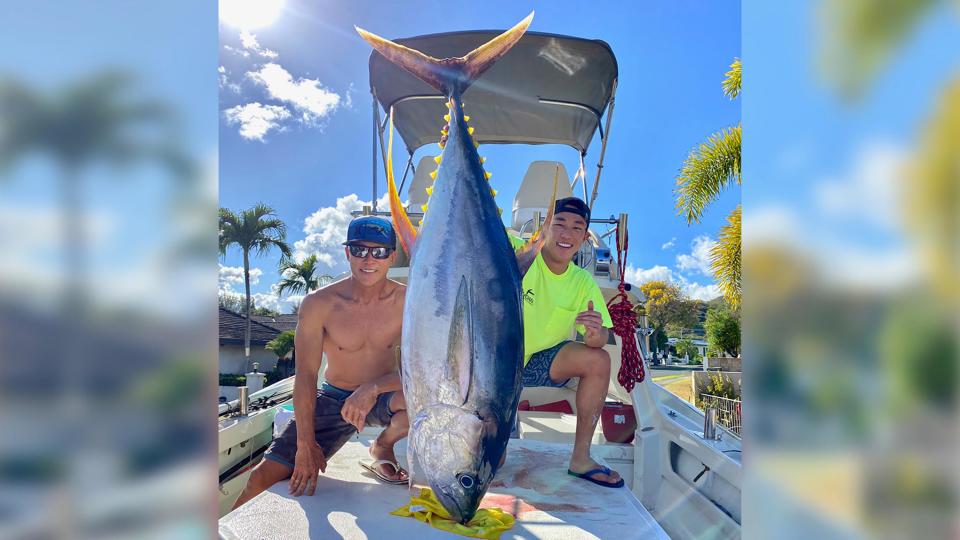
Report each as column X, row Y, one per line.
column 728, row 411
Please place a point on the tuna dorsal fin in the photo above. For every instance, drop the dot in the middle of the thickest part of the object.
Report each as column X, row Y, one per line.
column 448, row 75
column 401, row 221
column 529, row 251
column 460, row 351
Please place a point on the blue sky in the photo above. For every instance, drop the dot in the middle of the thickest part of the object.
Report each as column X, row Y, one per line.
column 308, row 73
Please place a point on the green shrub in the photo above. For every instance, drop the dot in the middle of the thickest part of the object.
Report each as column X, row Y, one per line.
column 722, row 387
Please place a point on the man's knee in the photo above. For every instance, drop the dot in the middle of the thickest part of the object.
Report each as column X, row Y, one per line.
column 397, row 403
column 597, row 361
column 267, row 473
column 400, row 421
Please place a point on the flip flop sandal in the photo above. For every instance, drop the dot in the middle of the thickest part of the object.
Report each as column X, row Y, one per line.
column 588, row 476
column 374, row 469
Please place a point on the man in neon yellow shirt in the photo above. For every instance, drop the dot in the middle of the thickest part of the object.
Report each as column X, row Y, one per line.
column 557, row 295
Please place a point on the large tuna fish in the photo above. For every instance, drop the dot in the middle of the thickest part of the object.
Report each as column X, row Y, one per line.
column 462, row 343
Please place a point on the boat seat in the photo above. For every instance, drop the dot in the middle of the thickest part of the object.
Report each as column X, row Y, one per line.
column 417, row 192
column 535, row 191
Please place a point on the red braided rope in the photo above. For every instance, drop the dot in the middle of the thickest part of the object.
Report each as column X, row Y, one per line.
column 625, row 325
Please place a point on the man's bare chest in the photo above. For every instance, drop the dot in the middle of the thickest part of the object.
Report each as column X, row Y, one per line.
column 355, row 328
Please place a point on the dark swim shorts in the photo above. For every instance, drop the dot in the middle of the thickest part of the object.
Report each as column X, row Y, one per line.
column 330, row 429
column 537, row 370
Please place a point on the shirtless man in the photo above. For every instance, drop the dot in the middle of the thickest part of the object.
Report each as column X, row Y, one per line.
column 356, row 322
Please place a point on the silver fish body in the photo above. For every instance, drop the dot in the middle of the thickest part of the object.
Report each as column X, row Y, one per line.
column 462, row 343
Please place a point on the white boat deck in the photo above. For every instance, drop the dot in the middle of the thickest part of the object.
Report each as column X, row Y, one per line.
column 533, row 485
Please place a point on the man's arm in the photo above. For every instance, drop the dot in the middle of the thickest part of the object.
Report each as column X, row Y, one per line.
column 308, row 342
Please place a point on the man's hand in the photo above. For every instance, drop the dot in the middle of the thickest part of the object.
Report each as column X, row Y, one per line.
column 358, row 405
column 592, row 322
column 308, row 462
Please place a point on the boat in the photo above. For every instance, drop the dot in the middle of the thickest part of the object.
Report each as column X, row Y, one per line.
column 559, row 90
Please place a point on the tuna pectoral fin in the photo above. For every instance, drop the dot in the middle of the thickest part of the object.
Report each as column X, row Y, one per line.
column 401, row 221
column 448, row 75
column 456, row 384
column 529, row 251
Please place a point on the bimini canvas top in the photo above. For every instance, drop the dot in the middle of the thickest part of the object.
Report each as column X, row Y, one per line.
column 549, row 89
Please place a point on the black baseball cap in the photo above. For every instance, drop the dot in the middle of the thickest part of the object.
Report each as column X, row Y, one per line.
column 371, row 229
column 574, row 206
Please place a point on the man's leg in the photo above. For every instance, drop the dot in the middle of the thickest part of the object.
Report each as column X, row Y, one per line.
column 264, row 475
column 592, row 365
column 382, row 447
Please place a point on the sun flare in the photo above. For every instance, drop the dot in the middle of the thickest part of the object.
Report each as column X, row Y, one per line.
column 250, row 14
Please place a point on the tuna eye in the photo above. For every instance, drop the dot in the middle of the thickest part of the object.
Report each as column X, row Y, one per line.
column 466, row 481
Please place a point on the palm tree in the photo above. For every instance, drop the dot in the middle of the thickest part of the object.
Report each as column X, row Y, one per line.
column 706, row 172
column 282, row 345
column 258, row 230
column 300, row 277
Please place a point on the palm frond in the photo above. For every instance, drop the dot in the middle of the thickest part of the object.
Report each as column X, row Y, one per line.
column 731, row 85
column 298, row 277
column 706, row 171
column 725, row 259
column 250, row 231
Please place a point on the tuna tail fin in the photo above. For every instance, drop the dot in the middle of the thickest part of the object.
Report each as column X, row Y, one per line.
column 448, row 75
column 401, row 221
column 529, row 251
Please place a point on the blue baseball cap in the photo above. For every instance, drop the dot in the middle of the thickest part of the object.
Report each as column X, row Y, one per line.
column 371, row 229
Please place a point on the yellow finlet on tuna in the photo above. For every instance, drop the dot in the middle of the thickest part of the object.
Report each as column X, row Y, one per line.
column 429, row 191
column 446, row 118
column 470, row 130
column 493, row 192
column 466, row 118
column 487, row 174
column 433, row 174
column 424, row 208
column 439, row 158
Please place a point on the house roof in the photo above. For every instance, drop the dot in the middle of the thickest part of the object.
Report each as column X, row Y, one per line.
column 280, row 322
column 233, row 326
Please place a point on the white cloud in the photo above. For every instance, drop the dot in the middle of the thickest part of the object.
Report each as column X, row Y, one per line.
column 670, row 244
column 639, row 276
column 249, row 42
column 697, row 291
column 233, row 275
column 224, row 80
column 348, row 97
column 240, row 52
column 308, row 96
column 699, row 258
column 326, row 230
column 256, row 119
column 270, row 301
column 691, row 289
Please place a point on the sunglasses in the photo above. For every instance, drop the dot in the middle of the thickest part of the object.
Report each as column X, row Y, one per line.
column 360, row 252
